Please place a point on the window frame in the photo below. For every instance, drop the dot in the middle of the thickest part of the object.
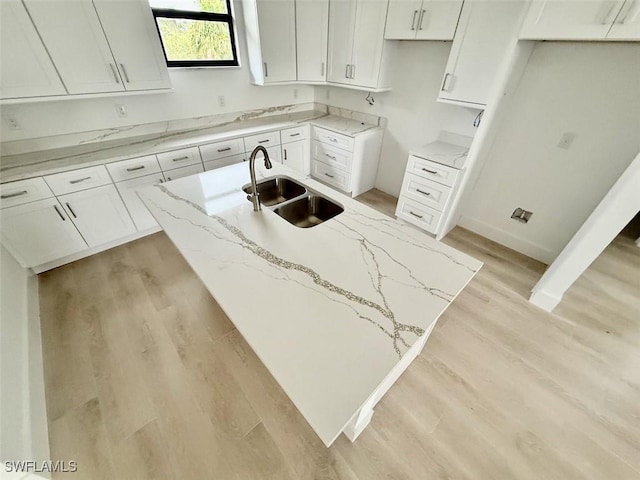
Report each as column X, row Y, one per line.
column 205, row 16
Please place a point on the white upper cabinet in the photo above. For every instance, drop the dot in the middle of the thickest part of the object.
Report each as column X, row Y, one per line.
column 312, row 24
column 25, row 67
column 626, row 26
column 484, row 35
column 570, row 19
column 422, row 20
column 358, row 53
column 135, row 44
column 75, row 40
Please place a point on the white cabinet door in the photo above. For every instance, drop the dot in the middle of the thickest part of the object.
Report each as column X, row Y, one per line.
column 627, row 24
column 342, row 14
column 485, row 32
column 39, row 232
column 25, row 67
column 99, row 214
column 277, row 24
column 312, row 24
column 368, row 42
column 135, row 43
column 295, row 155
column 75, row 40
column 569, row 19
column 438, row 19
column 139, row 212
column 402, row 19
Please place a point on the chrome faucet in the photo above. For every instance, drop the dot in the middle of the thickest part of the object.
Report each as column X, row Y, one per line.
column 255, row 196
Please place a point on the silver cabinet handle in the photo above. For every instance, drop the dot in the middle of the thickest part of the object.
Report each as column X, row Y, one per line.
column 413, row 22
column 322, row 69
column 179, row 159
column 331, row 139
column 415, row 214
column 445, row 83
column 353, row 72
column 609, row 17
column 264, row 141
column 328, row 175
column 134, row 169
column 432, row 172
column 330, row 156
column 115, row 72
column 422, row 192
column 285, row 153
column 71, row 210
column 79, row 180
column 224, row 149
column 346, row 73
column 295, row 134
column 124, row 72
column 422, row 14
column 58, row 212
column 15, row 194
column 266, row 70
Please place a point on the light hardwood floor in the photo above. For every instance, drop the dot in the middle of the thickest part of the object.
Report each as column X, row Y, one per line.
column 147, row 378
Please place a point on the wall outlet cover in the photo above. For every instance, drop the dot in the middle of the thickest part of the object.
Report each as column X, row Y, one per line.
column 566, row 140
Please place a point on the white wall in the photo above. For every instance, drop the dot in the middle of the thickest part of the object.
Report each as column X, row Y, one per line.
column 589, row 89
column 414, row 117
column 23, row 423
column 195, row 93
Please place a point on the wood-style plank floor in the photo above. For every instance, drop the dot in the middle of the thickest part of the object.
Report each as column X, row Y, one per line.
column 146, row 378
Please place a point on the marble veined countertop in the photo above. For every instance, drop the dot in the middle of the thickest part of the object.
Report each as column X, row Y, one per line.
column 101, row 150
column 330, row 310
column 449, row 149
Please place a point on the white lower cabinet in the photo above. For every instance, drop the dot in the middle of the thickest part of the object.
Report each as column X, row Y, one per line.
column 295, row 155
column 139, row 213
column 39, row 232
column 99, row 214
column 183, row 172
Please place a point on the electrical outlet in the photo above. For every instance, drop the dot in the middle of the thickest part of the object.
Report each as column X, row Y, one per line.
column 566, row 140
column 121, row 109
column 295, row 93
column 13, row 123
column 521, row 215
column 221, row 101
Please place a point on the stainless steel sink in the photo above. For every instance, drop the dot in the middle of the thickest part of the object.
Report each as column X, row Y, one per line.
column 309, row 211
column 276, row 190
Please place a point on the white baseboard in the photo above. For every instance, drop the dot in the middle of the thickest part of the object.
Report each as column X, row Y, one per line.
column 502, row 237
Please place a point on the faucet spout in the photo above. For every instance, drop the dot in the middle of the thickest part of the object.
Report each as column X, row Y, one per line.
column 255, row 196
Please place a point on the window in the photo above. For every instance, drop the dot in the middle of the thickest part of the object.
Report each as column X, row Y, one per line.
column 196, row 33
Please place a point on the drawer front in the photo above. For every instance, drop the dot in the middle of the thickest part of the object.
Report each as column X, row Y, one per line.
column 268, row 139
column 427, row 192
column 431, row 170
column 226, row 148
column 183, row 172
column 332, row 138
column 76, row 180
column 24, row 191
column 294, row 134
column 133, row 168
column 224, row 162
column 179, row 158
column 331, row 175
column 418, row 214
column 333, row 156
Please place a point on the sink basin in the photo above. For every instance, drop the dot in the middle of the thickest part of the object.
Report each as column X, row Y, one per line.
column 309, row 211
column 277, row 190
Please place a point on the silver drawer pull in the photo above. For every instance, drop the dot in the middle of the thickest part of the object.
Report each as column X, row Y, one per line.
column 78, row 180
column 264, row 141
column 329, row 175
column 12, row 195
column 415, row 214
column 330, row 156
column 58, row 212
column 424, row 193
column 133, row 169
column 331, row 139
column 224, row 149
column 294, row 134
column 186, row 157
column 432, row 172
column 71, row 210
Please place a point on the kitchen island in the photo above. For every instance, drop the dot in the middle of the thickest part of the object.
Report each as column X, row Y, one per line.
column 336, row 312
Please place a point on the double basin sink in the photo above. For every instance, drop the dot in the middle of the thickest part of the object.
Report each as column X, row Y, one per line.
column 297, row 204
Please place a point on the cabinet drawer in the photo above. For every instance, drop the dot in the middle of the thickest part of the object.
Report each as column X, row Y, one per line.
column 133, row 168
column 427, row 192
column 332, row 138
column 76, row 180
column 24, row 191
column 224, row 162
column 331, row 175
column 294, row 134
column 431, row 170
column 179, row 158
column 268, row 139
column 226, row 148
column 183, row 172
column 418, row 214
column 333, row 156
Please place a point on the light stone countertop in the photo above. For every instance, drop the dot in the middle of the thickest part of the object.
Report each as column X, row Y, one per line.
column 450, row 149
column 330, row 310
